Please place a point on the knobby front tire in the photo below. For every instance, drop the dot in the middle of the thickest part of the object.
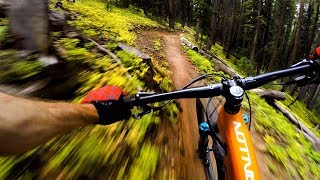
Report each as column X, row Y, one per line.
column 203, row 145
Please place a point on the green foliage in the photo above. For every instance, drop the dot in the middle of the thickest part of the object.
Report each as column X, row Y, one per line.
column 133, row 63
column 157, row 44
column 13, row 68
column 246, row 66
column 96, row 22
column 201, row 62
column 3, row 32
column 5, row 37
column 288, row 146
column 4, row 22
column 166, row 84
column 243, row 65
column 272, row 167
column 302, row 114
column 121, row 150
column 73, row 52
column 145, row 164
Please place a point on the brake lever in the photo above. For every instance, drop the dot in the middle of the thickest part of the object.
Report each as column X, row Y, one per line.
column 304, row 79
column 303, row 62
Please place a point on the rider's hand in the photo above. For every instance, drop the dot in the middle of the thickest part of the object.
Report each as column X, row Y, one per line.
column 316, row 54
column 109, row 103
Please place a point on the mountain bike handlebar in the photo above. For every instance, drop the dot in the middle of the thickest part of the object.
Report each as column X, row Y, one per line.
column 310, row 69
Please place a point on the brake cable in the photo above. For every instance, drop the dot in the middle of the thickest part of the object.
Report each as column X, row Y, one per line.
column 147, row 108
column 250, row 110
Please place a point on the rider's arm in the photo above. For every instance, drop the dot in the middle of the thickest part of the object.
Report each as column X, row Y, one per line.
column 25, row 124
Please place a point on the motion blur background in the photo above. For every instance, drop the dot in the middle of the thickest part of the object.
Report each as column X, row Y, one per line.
column 60, row 50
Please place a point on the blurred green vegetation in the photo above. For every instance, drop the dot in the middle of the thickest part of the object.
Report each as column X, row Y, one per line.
column 4, row 32
column 157, row 44
column 284, row 142
column 123, row 150
column 15, row 68
column 243, row 66
column 205, row 65
column 113, row 23
column 201, row 62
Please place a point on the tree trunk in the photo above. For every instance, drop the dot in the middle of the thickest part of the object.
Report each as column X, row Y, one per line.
column 224, row 33
column 198, row 27
column 183, row 12
column 256, row 36
column 230, row 30
column 293, row 54
column 313, row 89
column 314, row 97
column 313, row 29
column 279, row 28
column 214, row 24
column 29, row 23
column 171, row 14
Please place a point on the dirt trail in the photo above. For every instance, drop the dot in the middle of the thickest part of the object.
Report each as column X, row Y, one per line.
column 180, row 141
column 183, row 73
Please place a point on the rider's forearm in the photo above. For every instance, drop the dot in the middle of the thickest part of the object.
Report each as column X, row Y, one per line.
column 25, row 124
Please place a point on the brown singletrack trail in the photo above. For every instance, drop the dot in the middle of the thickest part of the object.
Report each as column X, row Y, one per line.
column 183, row 72
column 182, row 139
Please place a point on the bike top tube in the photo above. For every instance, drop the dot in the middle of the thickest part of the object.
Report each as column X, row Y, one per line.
column 302, row 68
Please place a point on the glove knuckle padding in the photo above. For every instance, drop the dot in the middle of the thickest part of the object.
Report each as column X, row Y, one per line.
column 109, row 103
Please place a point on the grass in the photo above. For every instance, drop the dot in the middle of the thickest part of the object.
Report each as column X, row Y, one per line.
column 201, row 62
column 14, row 68
column 157, row 44
column 122, row 150
column 115, row 24
column 3, row 30
column 284, row 143
column 243, row 66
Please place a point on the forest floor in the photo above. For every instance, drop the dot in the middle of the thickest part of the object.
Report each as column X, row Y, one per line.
column 181, row 158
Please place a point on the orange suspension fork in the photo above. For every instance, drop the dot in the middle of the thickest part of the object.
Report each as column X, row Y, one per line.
column 240, row 158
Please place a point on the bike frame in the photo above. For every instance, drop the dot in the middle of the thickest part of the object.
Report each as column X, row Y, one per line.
column 239, row 158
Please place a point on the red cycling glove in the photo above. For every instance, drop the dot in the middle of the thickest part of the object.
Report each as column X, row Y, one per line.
column 316, row 54
column 109, row 103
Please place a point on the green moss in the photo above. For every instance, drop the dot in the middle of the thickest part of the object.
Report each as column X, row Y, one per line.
column 302, row 113
column 3, row 30
column 272, row 167
column 201, row 62
column 145, row 165
column 4, row 22
column 133, row 63
column 96, row 22
column 121, row 150
column 13, row 68
column 284, row 143
column 157, row 44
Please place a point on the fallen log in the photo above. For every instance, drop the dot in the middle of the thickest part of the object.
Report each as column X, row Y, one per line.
column 220, row 64
column 227, row 70
column 189, row 44
column 108, row 52
column 135, row 51
column 306, row 132
column 270, row 94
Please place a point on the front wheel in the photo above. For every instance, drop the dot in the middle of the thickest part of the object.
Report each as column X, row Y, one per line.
column 203, row 144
